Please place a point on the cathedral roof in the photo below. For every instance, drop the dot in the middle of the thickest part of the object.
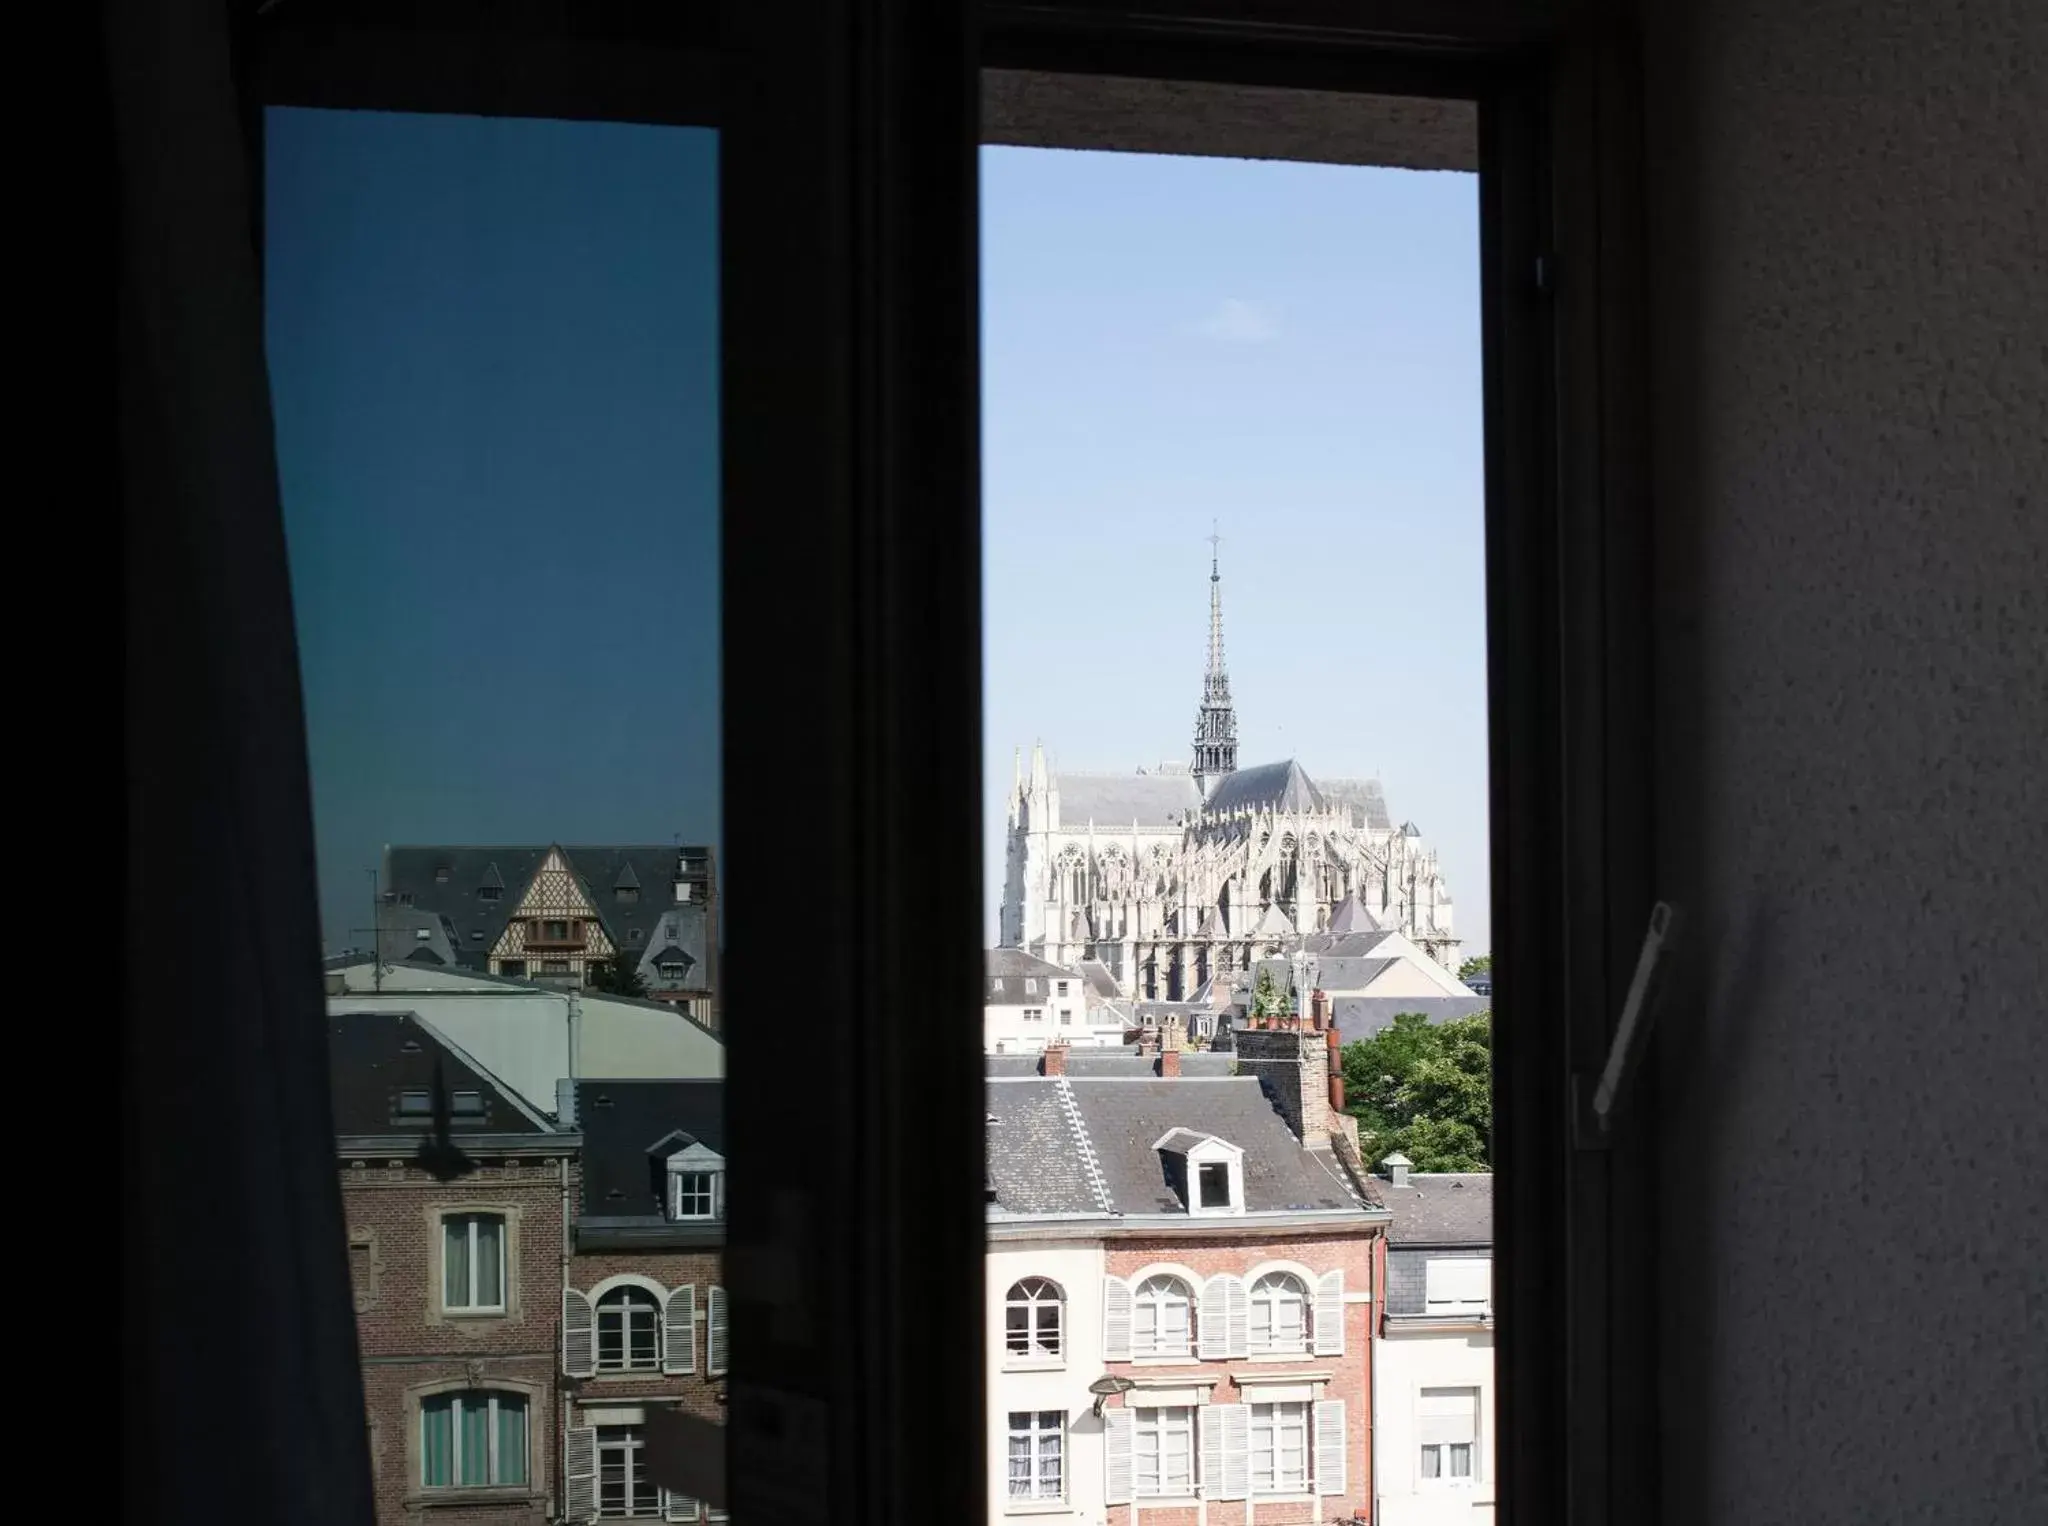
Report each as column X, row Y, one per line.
column 1117, row 800
column 1273, row 924
column 1365, row 799
column 1282, row 786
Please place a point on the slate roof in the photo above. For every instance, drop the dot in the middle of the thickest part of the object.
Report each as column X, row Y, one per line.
column 628, row 1134
column 1360, row 1017
column 1047, row 1161
column 445, row 881
column 1366, row 800
column 1101, row 984
column 1013, row 967
column 1283, row 786
column 1352, row 917
column 1440, row 1209
column 372, row 1056
column 1117, row 800
column 1112, row 1061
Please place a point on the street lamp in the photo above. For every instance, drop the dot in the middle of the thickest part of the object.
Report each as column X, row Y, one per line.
column 1106, row 1385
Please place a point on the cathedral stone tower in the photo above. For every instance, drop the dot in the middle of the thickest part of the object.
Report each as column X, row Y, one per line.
column 1216, row 721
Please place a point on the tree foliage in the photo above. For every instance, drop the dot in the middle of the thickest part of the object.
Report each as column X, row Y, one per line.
column 618, row 976
column 1424, row 1090
column 1269, row 1000
column 1478, row 964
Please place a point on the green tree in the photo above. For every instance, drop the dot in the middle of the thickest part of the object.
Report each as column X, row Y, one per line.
column 1424, row 1090
column 618, row 976
column 1478, row 964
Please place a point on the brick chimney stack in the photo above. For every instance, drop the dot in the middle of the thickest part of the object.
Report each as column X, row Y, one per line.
column 1055, row 1063
column 1169, row 1061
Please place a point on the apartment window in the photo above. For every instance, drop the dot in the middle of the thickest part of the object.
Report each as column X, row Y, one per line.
column 628, row 895
column 1060, row 987
column 1162, row 1317
column 1279, row 1314
column 1447, row 1426
column 1279, row 1448
column 623, row 1488
column 516, row 968
column 1163, row 1452
column 1213, row 1178
column 693, row 1194
column 1461, row 1285
column 628, row 1331
column 1034, row 1014
column 489, row 892
column 472, row 1440
column 1037, row 1439
column 554, row 966
column 473, row 1263
column 1032, row 1318
column 673, row 971
column 554, row 932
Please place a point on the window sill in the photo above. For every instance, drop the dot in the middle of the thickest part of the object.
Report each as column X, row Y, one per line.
column 1301, row 1355
column 498, row 1313
column 1037, row 1507
column 1035, row 1364
column 1166, row 1361
column 1166, row 1501
column 481, row 1494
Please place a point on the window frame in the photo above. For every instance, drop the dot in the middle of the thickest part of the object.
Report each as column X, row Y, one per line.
column 457, row 1398
column 1304, row 1296
column 620, row 1298
column 632, row 1440
column 1159, row 1301
column 1035, row 1353
column 1040, row 1425
column 1301, row 1410
column 1160, row 1429
column 473, row 1217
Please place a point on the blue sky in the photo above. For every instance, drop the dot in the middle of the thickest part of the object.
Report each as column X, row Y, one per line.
column 494, row 365
column 494, row 362
column 1293, row 352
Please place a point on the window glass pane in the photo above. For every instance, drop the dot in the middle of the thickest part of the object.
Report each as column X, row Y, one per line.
column 437, row 1442
column 455, row 1263
column 511, row 1439
column 490, row 1262
column 474, row 1442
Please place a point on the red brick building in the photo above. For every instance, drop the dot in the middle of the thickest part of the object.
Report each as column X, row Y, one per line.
column 1185, row 1254
column 643, row 1309
column 456, row 1193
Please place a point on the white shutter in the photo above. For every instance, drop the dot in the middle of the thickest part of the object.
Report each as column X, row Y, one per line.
column 1212, row 1449
column 677, row 1507
column 1116, row 1320
column 1330, row 1446
column 579, row 1335
column 1234, row 1425
column 1212, row 1319
column 1240, row 1317
column 579, row 1477
column 679, row 1329
column 1462, row 1281
column 1447, row 1416
column 714, row 1331
column 1330, row 1313
column 1116, row 1456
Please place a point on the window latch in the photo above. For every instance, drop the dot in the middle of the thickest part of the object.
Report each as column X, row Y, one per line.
column 1595, row 1106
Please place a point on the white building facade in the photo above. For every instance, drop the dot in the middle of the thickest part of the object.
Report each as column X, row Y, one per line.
column 1435, row 1438
column 1174, row 876
column 1045, row 1348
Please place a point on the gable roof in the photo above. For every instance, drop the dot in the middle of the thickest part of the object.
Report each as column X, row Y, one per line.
column 1152, row 800
column 1012, row 967
column 1364, row 799
column 630, row 1128
column 1283, row 786
column 1352, row 917
column 1440, row 1209
column 445, row 880
column 374, row 1055
column 1085, row 1147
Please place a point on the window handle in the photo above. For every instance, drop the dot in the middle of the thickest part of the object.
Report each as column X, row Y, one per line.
column 1595, row 1112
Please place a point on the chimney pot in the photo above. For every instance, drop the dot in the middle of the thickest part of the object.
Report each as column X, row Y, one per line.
column 1397, row 1166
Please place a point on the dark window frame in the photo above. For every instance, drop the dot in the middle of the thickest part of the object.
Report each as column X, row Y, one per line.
column 871, row 132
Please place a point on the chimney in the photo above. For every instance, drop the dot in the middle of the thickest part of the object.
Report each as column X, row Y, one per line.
column 1055, row 1060
column 1397, row 1166
column 1169, row 1061
column 1336, row 1068
column 1320, row 1005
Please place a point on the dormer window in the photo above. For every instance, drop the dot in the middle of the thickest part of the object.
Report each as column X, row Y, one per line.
column 1206, row 1172
column 696, row 1184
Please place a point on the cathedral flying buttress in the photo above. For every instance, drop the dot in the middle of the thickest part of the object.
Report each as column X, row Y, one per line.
column 1177, row 877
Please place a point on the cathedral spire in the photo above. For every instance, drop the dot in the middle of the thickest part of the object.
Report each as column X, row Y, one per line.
column 1216, row 720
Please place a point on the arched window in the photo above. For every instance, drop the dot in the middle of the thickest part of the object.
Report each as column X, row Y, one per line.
column 1162, row 1317
column 628, row 1330
column 1279, row 1314
column 1034, row 1320
column 475, row 1439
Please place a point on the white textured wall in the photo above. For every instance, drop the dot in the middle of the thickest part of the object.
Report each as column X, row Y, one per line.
column 1407, row 1364
column 1848, row 248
